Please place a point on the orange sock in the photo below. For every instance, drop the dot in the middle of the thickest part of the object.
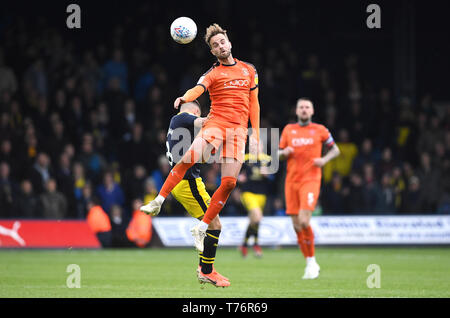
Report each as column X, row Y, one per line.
column 301, row 243
column 176, row 175
column 219, row 198
column 308, row 236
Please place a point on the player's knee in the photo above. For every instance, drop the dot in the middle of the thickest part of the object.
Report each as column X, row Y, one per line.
column 304, row 225
column 228, row 183
column 190, row 157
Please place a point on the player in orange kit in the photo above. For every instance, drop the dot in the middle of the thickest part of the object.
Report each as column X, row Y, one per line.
column 233, row 90
column 301, row 144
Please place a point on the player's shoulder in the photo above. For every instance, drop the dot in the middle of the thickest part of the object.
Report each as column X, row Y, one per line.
column 290, row 126
column 212, row 68
column 318, row 126
column 247, row 64
column 181, row 118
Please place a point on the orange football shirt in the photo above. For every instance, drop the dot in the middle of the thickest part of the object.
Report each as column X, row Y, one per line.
column 229, row 89
column 307, row 142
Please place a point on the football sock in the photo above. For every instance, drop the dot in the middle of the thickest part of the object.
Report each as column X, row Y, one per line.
column 301, row 243
column 176, row 175
column 255, row 232
column 252, row 230
column 209, row 252
column 308, row 236
column 219, row 198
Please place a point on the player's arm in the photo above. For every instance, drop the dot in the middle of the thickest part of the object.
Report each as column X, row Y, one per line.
column 191, row 95
column 285, row 150
column 283, row 154
column 333, row 152
column 254, row 113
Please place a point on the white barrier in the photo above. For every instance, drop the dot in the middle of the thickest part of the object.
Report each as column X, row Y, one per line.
column 328, row 230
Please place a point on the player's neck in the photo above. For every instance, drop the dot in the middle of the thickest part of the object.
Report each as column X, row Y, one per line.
column 227, row 61
column 304, row 123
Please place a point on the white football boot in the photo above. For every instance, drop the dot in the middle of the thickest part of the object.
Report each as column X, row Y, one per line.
column 312, row 270
column 199, row 237
column 151, row 208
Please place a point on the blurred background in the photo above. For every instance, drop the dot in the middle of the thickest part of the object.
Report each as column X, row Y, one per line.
column 84, row 112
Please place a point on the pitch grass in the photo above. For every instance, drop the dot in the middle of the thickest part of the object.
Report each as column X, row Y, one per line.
column 170, row 273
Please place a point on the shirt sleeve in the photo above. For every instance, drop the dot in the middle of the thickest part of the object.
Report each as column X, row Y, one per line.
column 284, row 138
column 327, row 138
column 206, row 79
column 186, row 120
column 254, row 80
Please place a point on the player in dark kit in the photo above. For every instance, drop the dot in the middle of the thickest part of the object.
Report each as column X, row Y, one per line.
column 254, row 185
column 191, row 191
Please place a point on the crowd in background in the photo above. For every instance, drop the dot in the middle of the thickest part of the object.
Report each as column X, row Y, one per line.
column 91, row 122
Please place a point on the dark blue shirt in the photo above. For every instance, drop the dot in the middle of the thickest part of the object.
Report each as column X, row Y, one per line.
column 180, row 136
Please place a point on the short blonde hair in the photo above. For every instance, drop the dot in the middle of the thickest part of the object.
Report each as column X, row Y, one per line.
column 213, row 30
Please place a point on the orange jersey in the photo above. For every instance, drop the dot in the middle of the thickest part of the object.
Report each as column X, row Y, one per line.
column 307, row 142
column 229, row 88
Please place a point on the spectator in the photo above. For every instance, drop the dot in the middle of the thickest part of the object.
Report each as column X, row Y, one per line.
column 26, row 204
column 429, row 177
column 414, row 200
column 99, row 222
column 7, row 191
column 116, row 68
column 41, row 172
column 343, row 163
column 86, row 195
column 52, row 203
column 65, row 181
column 365, row 155
column 150, row 191
column 159, row 175
column 110, row 192
column 332, row 200
column 8, row 80
column 93, row 162
column 135, row 184
column 118, row 227
column 139, row 230
column 386, row 201
column 278, row 207
column 371, row 190
column 356, row 199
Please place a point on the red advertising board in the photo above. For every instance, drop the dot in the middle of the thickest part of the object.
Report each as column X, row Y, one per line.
column 47, row 234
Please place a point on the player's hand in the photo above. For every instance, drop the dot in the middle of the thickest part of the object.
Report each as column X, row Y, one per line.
column 178, row 102
column 199, row 122
column 254, row 145
column 287, row 151
column 319, row 162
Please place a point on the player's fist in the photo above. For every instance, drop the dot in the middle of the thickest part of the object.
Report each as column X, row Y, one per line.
column 319, row 162
column 287, row 151
column 178, row 102
column 254, row 145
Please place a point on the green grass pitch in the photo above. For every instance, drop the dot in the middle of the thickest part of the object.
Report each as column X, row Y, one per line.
column 170, row 273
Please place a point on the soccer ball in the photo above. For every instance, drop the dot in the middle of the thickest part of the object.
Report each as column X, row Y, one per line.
column 183, row 30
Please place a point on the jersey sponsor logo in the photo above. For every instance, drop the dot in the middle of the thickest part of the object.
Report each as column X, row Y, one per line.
column 298, row 142
column 237, row 83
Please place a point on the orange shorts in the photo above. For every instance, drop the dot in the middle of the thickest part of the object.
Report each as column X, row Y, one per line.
column 301, row 196
column 229, row 140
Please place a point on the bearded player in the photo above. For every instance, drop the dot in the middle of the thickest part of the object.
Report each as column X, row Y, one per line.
column 233, row 90
column 301, row 144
